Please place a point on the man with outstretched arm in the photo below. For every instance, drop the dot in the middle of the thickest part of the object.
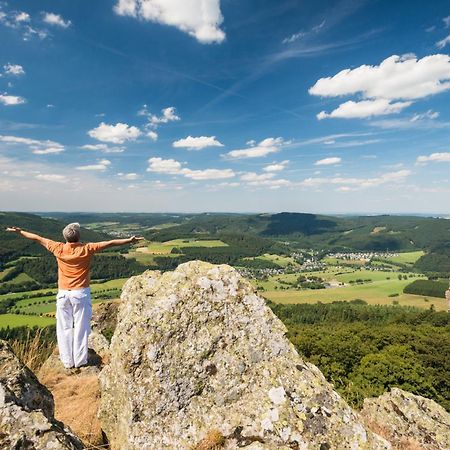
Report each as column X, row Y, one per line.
column 73, row 300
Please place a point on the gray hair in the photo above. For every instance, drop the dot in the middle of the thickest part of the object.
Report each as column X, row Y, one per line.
column 71, row 232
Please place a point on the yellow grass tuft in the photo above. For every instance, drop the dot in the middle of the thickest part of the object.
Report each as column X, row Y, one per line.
column 214, row 440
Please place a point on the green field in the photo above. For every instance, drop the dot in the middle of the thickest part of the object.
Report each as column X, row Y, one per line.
column 14, row 320
column 167, row 246
column 408, row 258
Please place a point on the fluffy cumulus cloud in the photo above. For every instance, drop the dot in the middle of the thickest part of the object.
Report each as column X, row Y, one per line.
column 11, row 100
column 55, row 20
column 101, row 165
column 396, row 78
column 13, row 69
column 38, row 147
column 197, row 143
column 167, row 115
column 104, row 148
column 353, row 184
column 173, row 167
column 116, row 134
column 276, row 167
column 364, row 108
column 131, row 176
column 328, row 161
column 434, row 157
column 199, row 18
column 257, row 150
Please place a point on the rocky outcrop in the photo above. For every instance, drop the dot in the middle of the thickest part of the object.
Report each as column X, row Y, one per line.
column 408, row 421
column 27, row 408
column 197, row 353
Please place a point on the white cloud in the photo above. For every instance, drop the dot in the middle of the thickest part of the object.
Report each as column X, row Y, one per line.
column 104, row 148
column 53, row 178
column 446, row 21
column 56, row 19
column 430, row 114
column 252, row 176
column 13, row 69
column 294, row 37
column 22, row 17
column 173, row 167
column 199, row 18
column 364, row 108
column 328, row 161
column 11, row 100
column 208, row 174
column 197, row 143
column 359, row 183
column 38, row 147
column 168, row 115
column 276, row 167
column 117, row 134
column 443, row 42
column 434, row 157
column 263, row 148
column 101, row 165
column 128, row 176
column 48, row 150
column 152, row 135
column 160, row 165
column 396, row 78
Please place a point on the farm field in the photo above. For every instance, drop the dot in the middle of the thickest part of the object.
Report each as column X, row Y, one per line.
column 167, row 246
column 408, row 258
column 15, row 320
column 282, row 261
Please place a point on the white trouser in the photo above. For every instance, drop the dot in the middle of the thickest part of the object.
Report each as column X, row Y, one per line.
column 73, row 317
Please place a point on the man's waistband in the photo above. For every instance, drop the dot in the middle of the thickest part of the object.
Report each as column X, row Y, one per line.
column 85, row 289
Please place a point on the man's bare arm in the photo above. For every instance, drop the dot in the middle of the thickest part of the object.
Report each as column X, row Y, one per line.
column 117, row 242
column 26, row 234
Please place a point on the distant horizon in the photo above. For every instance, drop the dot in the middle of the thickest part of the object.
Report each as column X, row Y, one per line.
column 411, row 214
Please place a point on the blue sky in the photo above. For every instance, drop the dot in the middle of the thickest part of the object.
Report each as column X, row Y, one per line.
column 207, row 105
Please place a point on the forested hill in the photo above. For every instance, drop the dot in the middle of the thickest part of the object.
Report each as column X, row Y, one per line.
column 320, row 232
column 13, row 246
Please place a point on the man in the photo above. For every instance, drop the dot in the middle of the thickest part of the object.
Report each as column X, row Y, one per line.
column 73, row 300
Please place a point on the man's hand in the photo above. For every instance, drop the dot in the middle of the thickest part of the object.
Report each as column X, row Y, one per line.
column 447, row 294
column 14, row 229
column 134, row 239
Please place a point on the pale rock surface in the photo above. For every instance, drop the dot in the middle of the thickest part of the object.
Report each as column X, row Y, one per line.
column 197, row 350
column 26, row 410
column 408, row 420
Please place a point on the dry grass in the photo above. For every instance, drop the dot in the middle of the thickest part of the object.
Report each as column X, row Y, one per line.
column 76, row 403
column 34, row 350
column 214, row 440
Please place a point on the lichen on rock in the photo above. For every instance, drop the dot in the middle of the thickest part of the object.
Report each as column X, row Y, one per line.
column 197, row 350
column 408, row 420
column 27, row 410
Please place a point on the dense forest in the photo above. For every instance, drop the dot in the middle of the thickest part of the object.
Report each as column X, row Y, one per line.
column 365, row 350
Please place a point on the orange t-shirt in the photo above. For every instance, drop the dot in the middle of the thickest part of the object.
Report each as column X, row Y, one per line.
column 74, row 261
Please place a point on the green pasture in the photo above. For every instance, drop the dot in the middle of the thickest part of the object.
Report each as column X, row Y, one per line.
column 344, row 262
column 167, row 246
column 15, row 320
column 405, row 258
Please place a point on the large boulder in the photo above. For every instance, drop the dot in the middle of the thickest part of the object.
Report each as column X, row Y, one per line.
column 408, row 421
column 27, row 408
column 196, row 353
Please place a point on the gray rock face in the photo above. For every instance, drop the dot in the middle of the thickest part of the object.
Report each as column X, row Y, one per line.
column 196, row 351
column 408, row 420
column 26, row 410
